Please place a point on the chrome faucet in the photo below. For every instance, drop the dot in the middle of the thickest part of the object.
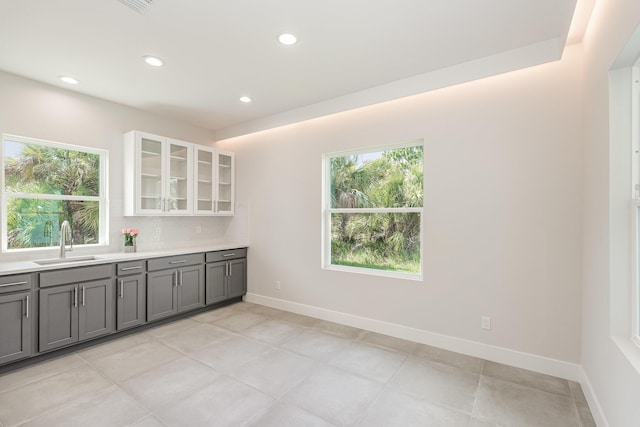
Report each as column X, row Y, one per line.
column 65, row 236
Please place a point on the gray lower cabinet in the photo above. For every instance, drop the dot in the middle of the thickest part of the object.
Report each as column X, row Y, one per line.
column 15, row 326
column 16, row 314
column 226, row 279
column 74, row 312
column 131, row 299
column 174, row 290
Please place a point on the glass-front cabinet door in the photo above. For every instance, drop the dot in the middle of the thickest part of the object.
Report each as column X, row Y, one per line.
column 203, row 178
column 150, row 178
column 179, row 182
column 225, row 184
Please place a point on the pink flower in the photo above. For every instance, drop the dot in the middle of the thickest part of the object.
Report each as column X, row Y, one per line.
column 130, row 231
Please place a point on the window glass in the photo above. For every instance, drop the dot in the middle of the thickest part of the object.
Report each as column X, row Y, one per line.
column 374, row 209
column 46, row 183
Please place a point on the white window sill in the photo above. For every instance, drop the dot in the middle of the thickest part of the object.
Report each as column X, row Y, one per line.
column 629, row 349
column 374, row 272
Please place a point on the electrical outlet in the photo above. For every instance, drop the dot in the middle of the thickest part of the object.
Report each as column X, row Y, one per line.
column 485, row 322
column 278, row 285
column 198, row 229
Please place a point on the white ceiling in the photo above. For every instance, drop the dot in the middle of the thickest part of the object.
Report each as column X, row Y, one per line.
column 350, row 53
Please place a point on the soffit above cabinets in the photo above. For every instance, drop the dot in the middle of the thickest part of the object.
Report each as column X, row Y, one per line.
column 348, row 54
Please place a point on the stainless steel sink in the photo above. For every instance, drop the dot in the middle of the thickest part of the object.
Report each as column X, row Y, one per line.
column 66, row 260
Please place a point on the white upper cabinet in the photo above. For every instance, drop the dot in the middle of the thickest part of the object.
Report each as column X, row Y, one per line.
column 213, row 181
column 164, row 176
column 158, row 175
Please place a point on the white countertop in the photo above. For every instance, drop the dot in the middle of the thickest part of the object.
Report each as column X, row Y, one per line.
column 31, row 266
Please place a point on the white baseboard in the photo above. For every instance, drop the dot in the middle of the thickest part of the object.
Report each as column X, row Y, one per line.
column 544, row 365
column 592, row 400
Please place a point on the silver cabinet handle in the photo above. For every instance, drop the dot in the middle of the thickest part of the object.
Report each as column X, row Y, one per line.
column 137, row 267
column 121, row 288
column 14, row 284
column 83, row 296
column 75, row 296
column 175, row 278
column 180, row 277
column 182, row 261
column 230, row 270
column 27, row 314
column 227, row 255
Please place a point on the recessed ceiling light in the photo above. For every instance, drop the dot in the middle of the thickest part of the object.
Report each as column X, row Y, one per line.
column 153, row 61
column 245, row 99
column 287, row 39
column 68, row 79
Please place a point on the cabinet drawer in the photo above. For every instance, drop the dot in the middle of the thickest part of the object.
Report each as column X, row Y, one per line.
column 75, row 275
column 16, row 282
column 174, row 261
column 133, row 267
column 226, row 255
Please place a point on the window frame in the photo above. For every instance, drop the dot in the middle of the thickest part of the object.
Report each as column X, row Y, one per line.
column 635, row 202
column 327, row 212
column 101, row 199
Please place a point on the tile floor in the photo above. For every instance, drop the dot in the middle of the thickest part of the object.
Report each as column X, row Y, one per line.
column 250, row 365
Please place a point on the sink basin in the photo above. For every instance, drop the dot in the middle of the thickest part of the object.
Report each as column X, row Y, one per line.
column 66, row 260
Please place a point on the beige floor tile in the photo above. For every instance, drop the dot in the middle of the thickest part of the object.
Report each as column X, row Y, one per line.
column 265, row 311
column 475, row 422
column 132, row 361
column 299, row 319
column 106, row 408
column 343, row 331
column 170, row 382
column 437, row 383
column 35, row 399
column 224, row 403
column 275, row 373
column 512, row 404
column 334, row 395
column 213, row 315
column 283, row 415
column 194, row 338
column 316, row 345
column 149, row 421
column 39, row 371
column 375, row 363
column 585, row 415
column 171, row 328
column 457, row 360
column 240, row 321
column 576, row 392
column 397, row 409
column 114, row 346
column 227, row 354
column 527, row 378
column 273, row 331
column 388, row 342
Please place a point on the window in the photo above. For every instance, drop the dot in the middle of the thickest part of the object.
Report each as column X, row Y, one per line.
column 45, row 183
column 635, row 203
column 373, row 210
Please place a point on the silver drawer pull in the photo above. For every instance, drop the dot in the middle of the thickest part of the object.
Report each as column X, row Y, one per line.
column 182, row 261
column 226, row 255
column 137, row 267
column 14, row 284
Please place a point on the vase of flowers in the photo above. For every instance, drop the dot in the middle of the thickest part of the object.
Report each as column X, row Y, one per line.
column 130, row 235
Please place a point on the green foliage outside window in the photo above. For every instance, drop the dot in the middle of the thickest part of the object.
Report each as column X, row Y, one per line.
column 68, row 179
column 380, row 228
